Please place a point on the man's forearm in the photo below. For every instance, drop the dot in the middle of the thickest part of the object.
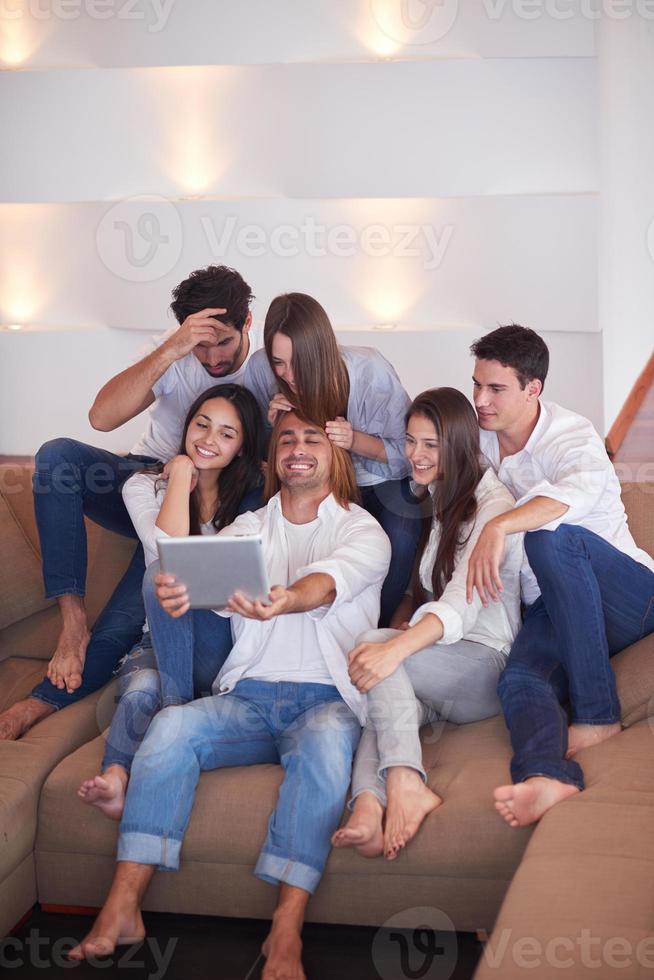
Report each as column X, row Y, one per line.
column 130, row 392
column 310, row 592
column 530, row 516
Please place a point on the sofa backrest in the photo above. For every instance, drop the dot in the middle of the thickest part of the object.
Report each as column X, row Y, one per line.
column 28, row 621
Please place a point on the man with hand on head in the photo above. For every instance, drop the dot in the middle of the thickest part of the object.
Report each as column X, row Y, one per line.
column 72, row 480
column 283, row 695
column 588, row 587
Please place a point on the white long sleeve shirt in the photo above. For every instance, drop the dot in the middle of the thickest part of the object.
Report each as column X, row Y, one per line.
column 497, row 624
column 351, row 547
column 565, row 459
column 144, row 494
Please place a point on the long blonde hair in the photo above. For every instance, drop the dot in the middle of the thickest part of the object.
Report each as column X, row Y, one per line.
column 342, row 479
column 321, row 378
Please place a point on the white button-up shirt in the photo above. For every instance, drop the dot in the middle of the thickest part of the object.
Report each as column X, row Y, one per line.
column 565, row 459
column 377, row 405
column 496, row 625
column 352, row 548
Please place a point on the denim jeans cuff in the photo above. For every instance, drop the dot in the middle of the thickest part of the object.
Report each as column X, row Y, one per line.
column 613, row 720
column 163, row 852
column 275, row 870
column 73, row 590
column 375, row 790
column 117, row 759
column 44, row 700
column 549, row 771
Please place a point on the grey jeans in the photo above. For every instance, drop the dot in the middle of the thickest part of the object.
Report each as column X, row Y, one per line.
column 449, row 682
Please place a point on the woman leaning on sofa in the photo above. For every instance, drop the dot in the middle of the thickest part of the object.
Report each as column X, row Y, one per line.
column 444, row 656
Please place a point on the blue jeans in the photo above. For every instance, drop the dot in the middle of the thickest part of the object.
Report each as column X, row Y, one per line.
column 307, row 728
column 176, row 661
column 393, row 505
column 72, row 480
column 594, row 602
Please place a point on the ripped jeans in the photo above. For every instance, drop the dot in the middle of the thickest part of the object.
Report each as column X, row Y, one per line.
column 176, row 661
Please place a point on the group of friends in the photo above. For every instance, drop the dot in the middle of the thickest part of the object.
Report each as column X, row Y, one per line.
column 429, row 561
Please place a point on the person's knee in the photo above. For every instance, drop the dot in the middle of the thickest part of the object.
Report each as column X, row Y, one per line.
column 541, row 546
column 144, row 680
column 63, row 450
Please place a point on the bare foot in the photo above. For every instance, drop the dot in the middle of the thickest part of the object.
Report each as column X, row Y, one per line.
column 283, row 952
column 107, row 791
column 409, row 802
column 363, row 830
column 18, row 719
column 67, row 663
column 525, row 803
column 583, row 736
column 117, row 925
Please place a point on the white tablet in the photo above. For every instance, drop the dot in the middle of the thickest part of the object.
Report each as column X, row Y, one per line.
column 212, row 567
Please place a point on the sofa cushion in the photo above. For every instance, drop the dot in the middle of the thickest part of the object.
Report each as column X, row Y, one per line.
column 21, row 582
column 463, row 845
column 18, row 676
column 634, row 674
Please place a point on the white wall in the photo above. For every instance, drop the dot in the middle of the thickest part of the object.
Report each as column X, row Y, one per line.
column 224, row 32
column 627, row 206
column 55, row 399
column 440, row 174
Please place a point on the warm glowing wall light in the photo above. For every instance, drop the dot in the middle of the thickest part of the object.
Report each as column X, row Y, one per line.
column 14, row 326
column 196, row 150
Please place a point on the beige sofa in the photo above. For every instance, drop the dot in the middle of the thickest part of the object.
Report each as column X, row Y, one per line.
column 586, row 866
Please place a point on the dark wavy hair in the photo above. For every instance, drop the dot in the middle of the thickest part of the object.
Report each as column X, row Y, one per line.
column 216, row 286
column 243, row 474
column 520, row 348
column 454, row 504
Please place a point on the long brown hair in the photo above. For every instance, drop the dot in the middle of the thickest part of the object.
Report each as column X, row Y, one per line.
column 453, row 497
column 342, row 479
column 243, row 474
column 321, row 378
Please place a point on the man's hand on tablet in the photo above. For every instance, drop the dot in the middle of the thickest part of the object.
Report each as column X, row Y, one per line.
column 172, row 595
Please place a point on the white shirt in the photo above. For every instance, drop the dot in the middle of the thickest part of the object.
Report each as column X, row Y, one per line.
column 496, row 625
column 565, row 459
column 291, row 652
column 144, row 494
column 175, row 391
column 350, row 546
column 377, row 405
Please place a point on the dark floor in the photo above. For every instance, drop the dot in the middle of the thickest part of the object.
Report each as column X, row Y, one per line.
column 191, row 947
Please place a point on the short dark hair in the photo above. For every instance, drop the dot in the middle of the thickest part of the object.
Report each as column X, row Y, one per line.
column 216, row 286
column 517, row 347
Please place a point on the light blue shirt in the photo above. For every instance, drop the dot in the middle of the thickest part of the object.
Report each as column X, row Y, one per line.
column 377, row 406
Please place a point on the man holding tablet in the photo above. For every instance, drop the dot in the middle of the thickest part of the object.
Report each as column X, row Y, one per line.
column 283, row 695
